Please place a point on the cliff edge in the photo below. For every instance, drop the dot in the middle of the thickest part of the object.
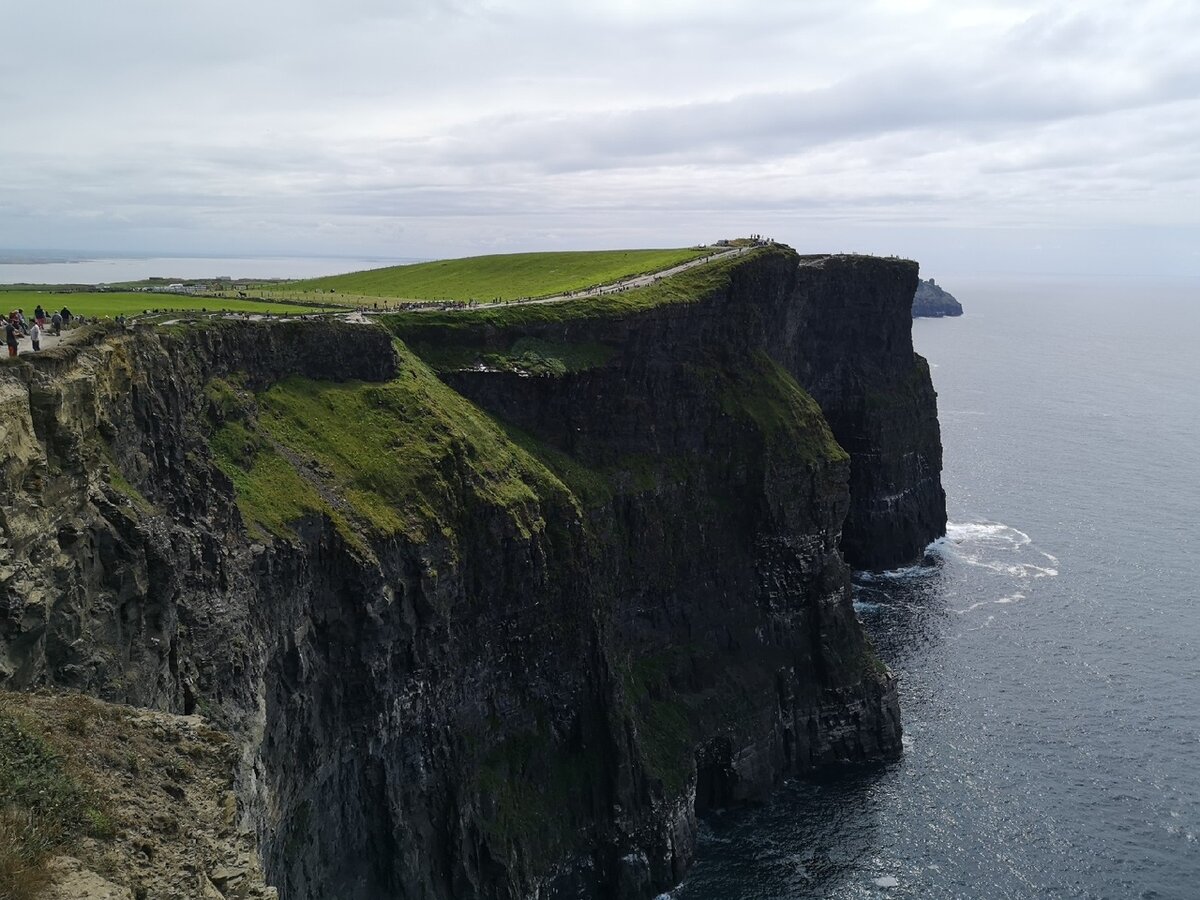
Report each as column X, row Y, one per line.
column 494, row 604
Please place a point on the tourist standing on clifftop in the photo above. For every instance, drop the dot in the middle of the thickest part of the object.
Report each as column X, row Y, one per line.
column 10, row 334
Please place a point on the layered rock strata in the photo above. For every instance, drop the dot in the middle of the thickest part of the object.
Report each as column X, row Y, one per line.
column 505, row 626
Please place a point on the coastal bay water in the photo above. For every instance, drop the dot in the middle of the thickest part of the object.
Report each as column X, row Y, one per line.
column 1049, row 656
column 105, row 270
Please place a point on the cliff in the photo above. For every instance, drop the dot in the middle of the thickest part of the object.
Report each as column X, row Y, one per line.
column 931, row 301
column 494, row 604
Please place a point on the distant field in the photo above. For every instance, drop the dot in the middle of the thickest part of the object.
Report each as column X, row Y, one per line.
column 506, row 277
column 114, row 304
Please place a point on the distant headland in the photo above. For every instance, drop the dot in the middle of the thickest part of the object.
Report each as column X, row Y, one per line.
column 931, row 302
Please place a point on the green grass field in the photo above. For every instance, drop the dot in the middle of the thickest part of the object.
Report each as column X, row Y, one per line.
column 505, row 277
column 685, row 287
column 133, row 304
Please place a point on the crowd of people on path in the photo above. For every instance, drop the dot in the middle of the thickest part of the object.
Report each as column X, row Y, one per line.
column 16, row 326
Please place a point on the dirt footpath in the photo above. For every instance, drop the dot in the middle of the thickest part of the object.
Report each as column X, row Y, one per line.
column 48, row 341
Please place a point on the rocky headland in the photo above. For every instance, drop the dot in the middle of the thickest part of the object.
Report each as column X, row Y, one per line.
column 931, row 301
column 491, row 603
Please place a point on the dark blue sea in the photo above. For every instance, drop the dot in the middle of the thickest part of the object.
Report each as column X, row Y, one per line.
column 1049, row 659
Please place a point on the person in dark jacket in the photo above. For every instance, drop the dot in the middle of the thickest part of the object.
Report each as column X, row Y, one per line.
column 11, row 332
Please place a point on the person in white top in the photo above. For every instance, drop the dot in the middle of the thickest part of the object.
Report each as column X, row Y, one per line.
column 35, row 335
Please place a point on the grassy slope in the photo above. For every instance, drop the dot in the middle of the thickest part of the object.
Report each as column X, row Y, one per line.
column 764, row 393
column 685, row 287
column 376, row 458
column 505, row 277
column 113, row 303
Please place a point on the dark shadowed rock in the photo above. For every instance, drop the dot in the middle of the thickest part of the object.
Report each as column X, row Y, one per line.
column 555, row 612
column 930, row 301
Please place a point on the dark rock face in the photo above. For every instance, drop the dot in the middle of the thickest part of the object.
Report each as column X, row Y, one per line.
column 854, row 354
column 536, row 692
column 931, row 301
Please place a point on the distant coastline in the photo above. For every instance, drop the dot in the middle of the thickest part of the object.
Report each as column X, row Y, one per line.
column 43, row 267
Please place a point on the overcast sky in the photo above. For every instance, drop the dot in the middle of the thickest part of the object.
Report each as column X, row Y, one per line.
column 1020, row 136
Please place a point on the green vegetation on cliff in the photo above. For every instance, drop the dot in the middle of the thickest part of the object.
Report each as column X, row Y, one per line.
column 907, row 391
column 377, row 458
column 114, row 303
column 689, row 286
column 502, row 277
column 530, row 791
column 764, row 393
column 527, row 355
column 42, row 806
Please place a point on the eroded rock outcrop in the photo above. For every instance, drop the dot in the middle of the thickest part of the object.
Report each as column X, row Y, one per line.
column 505, row 628
column 933, row 302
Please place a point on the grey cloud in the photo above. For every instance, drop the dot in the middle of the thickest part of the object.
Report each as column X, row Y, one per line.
column 747, row 127
column 487, row 122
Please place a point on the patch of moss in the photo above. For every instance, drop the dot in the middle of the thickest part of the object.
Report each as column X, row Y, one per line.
column 224, row 400
column 122, row 486
column 640, row 473
column 116, row 478
column 666, row 723
column 906, row 391
column 869, row 662
column 530, row 787
column 764, row 393
column 590, row 487
column 270, row 493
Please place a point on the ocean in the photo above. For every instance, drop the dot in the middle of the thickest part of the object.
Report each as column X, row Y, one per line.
column 1049, row 657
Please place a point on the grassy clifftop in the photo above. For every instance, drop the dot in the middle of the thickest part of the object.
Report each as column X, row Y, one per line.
column 684, row 287
column 502, row 277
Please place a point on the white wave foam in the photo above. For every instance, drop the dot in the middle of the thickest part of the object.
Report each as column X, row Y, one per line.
column 887, row 881
column 991, row 546
column 1011, row 598
column 991, row 533
column 920, row 570
column 1017, row 570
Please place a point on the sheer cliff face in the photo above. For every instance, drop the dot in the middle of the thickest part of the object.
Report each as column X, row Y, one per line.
column 499, row 630
column 851, row 347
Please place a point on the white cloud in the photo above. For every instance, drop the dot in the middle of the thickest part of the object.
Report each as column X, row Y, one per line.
column 425, row 128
